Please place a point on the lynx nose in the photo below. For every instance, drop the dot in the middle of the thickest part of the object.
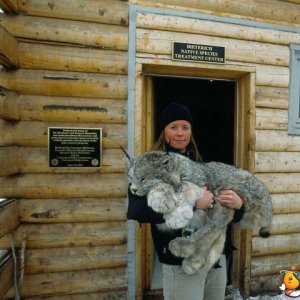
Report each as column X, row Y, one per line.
column 133, row 190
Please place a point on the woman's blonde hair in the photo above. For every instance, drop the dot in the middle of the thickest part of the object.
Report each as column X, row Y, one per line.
column 192, row 147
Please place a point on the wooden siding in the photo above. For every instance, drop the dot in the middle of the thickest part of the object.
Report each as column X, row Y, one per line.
column 66, row 66
column 275, row 159
column 68, row 69
column 274, row 12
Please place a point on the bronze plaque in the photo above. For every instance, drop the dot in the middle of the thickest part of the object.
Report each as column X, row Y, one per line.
column 74, row 147
column 196, row 52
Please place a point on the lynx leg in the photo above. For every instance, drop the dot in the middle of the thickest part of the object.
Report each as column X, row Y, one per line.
column 201, row 240
column 179, row 217
column 182, row 247
column 215, row 251
column 206, row 241
column 207, row 259
column 162, row 198
column 192, row 265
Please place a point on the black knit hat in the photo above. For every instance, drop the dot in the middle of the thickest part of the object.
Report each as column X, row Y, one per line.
column 174, row 112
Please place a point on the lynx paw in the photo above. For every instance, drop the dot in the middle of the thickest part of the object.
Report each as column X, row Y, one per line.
column 192, row 265
column 182, row 247
column 179, row 217
column 162, row 198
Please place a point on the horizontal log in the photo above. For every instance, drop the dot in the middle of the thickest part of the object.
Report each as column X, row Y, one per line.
column 6, row 276
column 160, row 42
column 9, row 219
column 272, row 76
column 64, row 58
column 72, row 282
column 266, row 162
column 35, row 134
column 75, row 259
column 276, row 140
column 68, row 235
column 54, row 109
column 17, row 160
column 273, row 264
column 264, row 284
column 272, row 97
column 165, row 66
column 8, row 50
column 267, row 118
column 105, row 11
column 281, row 182
column 210, row 28
column 69, row 84
column 63, row 186
column 72, row 210
column 276, row 11
column 276, row 244
column 115, row 295
column 9, row 6
column 66, row 31
column 284, row 224
column 286, row 203
column 291, row 1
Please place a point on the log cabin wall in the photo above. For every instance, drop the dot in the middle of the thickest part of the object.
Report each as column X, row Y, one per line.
column 266, row 48
column 66, row 66
column 9, row 221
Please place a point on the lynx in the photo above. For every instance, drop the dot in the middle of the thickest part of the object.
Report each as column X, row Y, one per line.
column 173, row 183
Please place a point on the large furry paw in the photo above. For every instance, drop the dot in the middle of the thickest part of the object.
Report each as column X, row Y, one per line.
column 192, row 265
column 182, row 247
column 179, row 217
column 162, row 198
column 176, row 223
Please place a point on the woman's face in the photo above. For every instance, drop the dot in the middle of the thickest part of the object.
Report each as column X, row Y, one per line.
column 178, row 134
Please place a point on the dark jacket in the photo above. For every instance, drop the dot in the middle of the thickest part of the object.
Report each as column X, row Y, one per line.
column 139, row 210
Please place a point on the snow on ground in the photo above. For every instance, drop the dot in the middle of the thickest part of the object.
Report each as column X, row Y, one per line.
column 234, row 294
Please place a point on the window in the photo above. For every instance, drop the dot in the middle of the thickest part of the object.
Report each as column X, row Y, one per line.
column 294, row 101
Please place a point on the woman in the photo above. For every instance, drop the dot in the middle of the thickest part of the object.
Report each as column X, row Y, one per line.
column 176, row 136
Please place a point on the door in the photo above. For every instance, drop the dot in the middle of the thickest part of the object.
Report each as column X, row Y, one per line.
column 223, row 113
column 212, row 104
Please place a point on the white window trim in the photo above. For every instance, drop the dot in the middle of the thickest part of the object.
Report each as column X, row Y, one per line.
column 294, row 98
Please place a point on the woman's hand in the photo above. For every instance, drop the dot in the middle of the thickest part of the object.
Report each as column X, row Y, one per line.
column 230, row 199
column 206, row 201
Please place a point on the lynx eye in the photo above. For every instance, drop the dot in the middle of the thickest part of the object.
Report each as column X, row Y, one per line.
column 143, row 179
column 165, row 164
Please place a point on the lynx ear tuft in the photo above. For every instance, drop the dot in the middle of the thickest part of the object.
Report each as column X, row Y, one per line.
column 126, row 153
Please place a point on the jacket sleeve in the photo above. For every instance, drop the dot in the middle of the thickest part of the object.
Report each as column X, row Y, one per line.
column 139, row 210
column 238, row 214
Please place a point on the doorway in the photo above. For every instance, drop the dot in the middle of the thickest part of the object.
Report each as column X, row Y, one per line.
column 212, row 104
column 224, row 97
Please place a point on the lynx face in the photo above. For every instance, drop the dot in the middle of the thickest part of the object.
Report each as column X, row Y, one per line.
column 148, row 170
column 143, row 174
